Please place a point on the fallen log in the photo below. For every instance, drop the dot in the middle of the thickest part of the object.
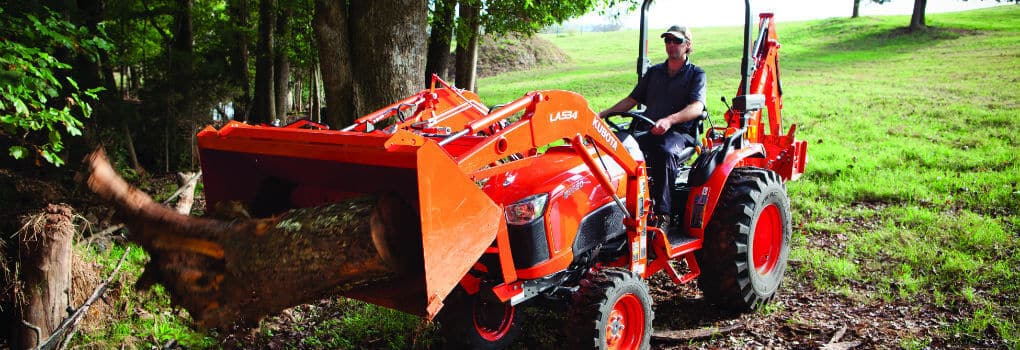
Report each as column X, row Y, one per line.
column 693, row 334
column 231, row 273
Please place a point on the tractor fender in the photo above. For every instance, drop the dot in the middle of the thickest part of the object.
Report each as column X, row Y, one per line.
column 704, row 167
column 708, row 179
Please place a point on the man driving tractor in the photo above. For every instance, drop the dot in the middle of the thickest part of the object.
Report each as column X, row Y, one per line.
column 674, row 95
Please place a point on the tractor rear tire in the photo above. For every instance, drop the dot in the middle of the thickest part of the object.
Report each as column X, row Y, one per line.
column 611, row 310
column 478, row 322
column 747, row 241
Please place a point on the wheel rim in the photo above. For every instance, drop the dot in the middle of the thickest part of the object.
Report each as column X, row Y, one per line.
column 768, row 240
column 626, row 325
column 492, row 319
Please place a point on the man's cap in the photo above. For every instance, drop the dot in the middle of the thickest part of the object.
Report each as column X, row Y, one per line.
column 677, row 32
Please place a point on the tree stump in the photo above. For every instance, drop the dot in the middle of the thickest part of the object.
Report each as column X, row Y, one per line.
column 44, row 250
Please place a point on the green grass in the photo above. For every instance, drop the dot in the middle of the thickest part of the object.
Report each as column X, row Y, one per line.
column 912, row 181
column 142, row 319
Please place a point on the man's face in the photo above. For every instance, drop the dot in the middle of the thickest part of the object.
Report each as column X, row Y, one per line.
column 676, row 47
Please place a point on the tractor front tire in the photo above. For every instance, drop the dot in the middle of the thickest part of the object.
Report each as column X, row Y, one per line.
column 747, row 241
column 478, row 321
column 612, row 309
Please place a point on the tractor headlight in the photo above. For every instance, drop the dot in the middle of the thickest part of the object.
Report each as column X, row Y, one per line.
column 526, row 210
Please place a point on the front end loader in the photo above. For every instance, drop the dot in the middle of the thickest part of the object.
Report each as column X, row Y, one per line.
column 538, row 199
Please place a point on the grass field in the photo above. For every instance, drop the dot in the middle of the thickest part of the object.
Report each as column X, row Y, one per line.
column 910, row 194
column 911, row 191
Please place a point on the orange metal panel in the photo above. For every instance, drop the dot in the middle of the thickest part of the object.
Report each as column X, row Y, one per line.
column 458, row 222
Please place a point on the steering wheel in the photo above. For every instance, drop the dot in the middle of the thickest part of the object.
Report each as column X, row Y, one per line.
column 633, row 127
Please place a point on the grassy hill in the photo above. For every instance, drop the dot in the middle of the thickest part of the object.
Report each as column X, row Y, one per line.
column 911, row 192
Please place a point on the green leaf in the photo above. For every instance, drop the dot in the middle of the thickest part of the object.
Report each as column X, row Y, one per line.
column 52, row 158
column 17, row 152
column 19, row 106
column 54, row 137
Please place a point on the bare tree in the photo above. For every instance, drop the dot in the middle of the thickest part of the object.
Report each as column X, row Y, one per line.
column 467, row 44
column 281, row 65
column 265, row 101
column 440, row 39
column 330, row 25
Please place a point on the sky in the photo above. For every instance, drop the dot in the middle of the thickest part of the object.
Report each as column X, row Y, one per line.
column 700, row 13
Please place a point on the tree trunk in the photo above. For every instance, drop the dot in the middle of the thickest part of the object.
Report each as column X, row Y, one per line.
column 857, row 9
column 239, row 11
column 233, row 272
column 439, row 40
column 389, row 62
column 132, row 155
column 181, row 52
column 123, row 82
column 313, row 93
column 282, row 64
column 297, row 101
column 45, row 251
column 917, row 18
column 264, row 110
column 467, row 48
column 135, row 81
column 330, row 25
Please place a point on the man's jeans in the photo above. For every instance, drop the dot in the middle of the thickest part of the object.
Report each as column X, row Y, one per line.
column 662, row 165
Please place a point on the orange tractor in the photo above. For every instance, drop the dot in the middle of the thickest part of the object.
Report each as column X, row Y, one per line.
column 539, row 199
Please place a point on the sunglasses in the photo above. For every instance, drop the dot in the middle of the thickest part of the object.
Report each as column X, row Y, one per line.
column 678, row 41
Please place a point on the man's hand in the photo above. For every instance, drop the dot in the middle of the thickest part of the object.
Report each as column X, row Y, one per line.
column 661, row 126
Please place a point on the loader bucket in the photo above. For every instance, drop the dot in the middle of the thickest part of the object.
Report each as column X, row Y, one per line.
column 271, row 170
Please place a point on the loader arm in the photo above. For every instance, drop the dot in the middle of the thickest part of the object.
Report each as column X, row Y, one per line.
column 550, row 116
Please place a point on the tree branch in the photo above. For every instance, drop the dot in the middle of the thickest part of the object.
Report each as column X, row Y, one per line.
column 694, row 334
column 71, row 323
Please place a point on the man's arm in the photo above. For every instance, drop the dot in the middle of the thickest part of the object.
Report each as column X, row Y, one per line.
column 624, row 105
column 690, row 112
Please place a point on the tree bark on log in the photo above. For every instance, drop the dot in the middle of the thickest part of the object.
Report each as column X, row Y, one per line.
column 231, row 273
column 45, row 259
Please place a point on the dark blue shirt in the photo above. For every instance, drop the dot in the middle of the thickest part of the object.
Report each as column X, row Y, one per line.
column 663, row 95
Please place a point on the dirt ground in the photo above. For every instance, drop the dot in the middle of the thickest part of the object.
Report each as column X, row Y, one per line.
column 801, row 317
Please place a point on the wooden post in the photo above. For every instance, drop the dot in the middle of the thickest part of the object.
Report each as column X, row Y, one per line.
column 44, row 248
